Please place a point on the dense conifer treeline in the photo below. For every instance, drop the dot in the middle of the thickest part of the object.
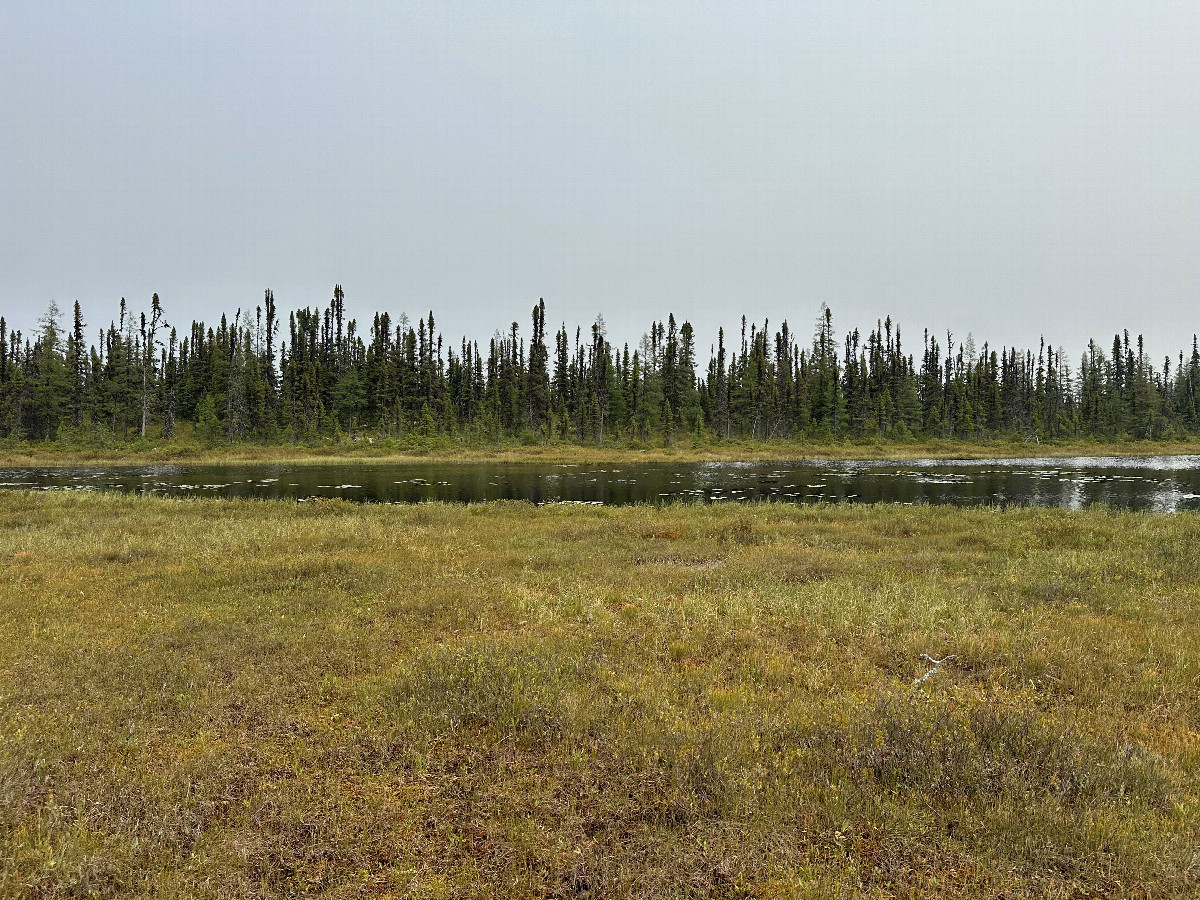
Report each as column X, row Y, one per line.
column 318, row 376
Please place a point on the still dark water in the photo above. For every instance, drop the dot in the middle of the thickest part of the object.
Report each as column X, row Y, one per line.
column 1167, row 483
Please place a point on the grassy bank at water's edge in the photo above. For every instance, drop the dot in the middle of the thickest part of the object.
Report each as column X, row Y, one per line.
column 214, row 698
column 187, row 451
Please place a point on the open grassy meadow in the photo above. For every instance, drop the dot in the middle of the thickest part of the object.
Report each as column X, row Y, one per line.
column 236, row 699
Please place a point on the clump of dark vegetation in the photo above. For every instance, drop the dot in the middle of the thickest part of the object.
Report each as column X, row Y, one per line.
column 951, row 754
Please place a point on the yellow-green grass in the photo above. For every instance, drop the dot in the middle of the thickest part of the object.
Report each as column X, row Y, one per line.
column 226, row 699
column 186, row 450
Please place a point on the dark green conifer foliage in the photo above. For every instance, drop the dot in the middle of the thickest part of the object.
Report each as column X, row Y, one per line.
column 326, row 380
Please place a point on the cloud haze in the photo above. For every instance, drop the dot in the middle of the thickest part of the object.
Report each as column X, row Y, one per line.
column 1005, row 169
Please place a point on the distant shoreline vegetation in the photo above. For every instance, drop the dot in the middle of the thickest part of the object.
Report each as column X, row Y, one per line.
column 318, row 378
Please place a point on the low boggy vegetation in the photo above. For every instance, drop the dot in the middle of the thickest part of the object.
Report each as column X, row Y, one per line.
column 184, row 448
column 226, row 699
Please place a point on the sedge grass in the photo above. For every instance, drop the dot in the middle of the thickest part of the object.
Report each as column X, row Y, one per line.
column 245, row 699
column 185, row 449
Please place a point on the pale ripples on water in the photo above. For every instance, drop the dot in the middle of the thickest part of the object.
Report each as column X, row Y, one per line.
column 1166, row 483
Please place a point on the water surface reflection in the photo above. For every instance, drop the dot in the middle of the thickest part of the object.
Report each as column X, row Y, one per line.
column 1166, row 483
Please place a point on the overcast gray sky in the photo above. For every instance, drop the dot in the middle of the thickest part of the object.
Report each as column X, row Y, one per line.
column 1008, row 169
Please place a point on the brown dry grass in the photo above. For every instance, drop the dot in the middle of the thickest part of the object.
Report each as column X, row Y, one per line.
column 246, row 699
column 185, row 450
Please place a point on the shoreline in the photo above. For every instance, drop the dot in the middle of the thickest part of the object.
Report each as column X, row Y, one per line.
column 373, row 454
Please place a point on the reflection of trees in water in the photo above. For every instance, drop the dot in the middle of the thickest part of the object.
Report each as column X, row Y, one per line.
column 1120, row 485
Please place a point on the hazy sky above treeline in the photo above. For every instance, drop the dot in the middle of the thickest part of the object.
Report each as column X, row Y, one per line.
column 1008, row 169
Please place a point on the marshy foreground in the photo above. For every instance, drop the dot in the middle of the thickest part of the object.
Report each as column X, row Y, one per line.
column 216, row 698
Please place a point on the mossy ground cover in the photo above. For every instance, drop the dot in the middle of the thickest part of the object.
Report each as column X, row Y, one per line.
column 226, row 699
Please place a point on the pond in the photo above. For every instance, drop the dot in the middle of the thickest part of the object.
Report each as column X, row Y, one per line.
column 1166, row 483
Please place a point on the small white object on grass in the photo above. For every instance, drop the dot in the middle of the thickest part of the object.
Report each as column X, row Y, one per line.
column 937, row 665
